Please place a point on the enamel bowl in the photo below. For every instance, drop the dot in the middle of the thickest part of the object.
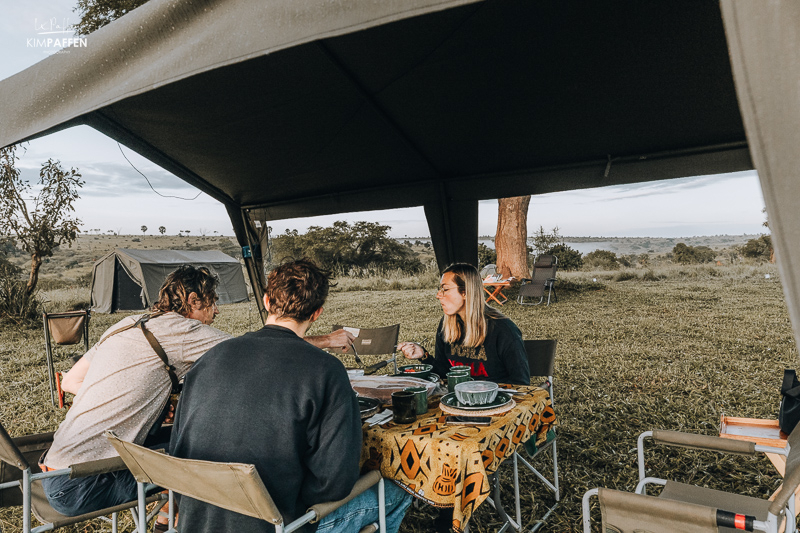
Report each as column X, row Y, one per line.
column 476, row 392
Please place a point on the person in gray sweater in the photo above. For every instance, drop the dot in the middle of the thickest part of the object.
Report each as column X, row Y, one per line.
column 272, row 400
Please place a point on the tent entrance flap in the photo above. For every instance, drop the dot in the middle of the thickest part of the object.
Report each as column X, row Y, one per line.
column 127, row 293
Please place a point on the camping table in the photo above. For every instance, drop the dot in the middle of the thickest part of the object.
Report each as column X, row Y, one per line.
column 498, row 290
column 448, row 466
column 760, row 431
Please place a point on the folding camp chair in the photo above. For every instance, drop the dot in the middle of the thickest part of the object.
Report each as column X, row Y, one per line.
column 374, row 341
column 63, row 329
column 488, row 270
column 541, row 359
column 20, row 483
column 543, row 278
column 236, row 487
column 692, row 509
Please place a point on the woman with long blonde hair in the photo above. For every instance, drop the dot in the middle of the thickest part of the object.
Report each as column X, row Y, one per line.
column 472, row 333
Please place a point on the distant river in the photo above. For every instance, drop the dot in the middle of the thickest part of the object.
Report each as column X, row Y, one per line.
column 582, row 247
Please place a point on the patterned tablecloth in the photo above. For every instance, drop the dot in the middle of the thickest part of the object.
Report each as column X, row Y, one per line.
column 447, row 466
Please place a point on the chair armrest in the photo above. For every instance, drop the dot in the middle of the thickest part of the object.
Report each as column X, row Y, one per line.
column 93, row 468
column 364, row 482
column 703, row 442
column 692, row 441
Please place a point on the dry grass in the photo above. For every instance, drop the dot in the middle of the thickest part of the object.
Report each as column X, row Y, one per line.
column 633, row 355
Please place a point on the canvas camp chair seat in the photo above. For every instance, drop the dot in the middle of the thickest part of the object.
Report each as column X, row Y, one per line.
column 541, row 361
column 63, row 329
column 374, row 341
column 543, row 279
column 20, row 483
column 236, row 487
column 684, row 507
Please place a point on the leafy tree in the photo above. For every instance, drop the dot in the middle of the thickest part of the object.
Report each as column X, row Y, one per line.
column 684, row 254
column 344, row 246
column 543, row 241
column 162, row 230
column 568, row 258
column 45, row 226
column 602, row 259
column 759, row 248
column 486, row 255
column 144, row 229
column 97, row 13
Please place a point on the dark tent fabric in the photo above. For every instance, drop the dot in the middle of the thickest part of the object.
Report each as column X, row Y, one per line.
column 129, row 280
column 294, row 108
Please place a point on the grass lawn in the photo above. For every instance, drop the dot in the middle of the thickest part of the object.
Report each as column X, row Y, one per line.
column 632, row 355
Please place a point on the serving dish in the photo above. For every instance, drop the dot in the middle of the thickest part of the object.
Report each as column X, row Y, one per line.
column 415, row 371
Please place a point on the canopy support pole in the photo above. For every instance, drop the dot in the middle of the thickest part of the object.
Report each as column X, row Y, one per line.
column 454, row 229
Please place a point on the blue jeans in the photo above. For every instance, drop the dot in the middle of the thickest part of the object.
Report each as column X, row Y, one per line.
column 363, row 510
column 73, row 497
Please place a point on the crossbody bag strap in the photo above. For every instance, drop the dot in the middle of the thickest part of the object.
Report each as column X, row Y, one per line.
column 151, row 339
column 173, row 377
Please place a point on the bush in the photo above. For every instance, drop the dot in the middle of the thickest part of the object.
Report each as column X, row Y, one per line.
column 602, row 259
column 568, row 258
column 486, row 256
column 760, row 248
column 15, row 302
column 686, row 255
column 625, row 275
column 343, row 246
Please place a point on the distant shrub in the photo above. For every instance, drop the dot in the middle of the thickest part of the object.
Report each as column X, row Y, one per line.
column 486, row 255
column 568, row 258
column 686, row 255
column 649, row 275
column 343, row 246
column 16, row 303
column 624, row 275
column 603, row 259
column 760, row 248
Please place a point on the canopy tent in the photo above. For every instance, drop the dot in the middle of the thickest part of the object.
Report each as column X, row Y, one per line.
column 129, row 280
column 295, row 108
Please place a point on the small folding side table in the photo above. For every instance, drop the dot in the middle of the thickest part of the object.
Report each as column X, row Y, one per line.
column 498, row 290
column 759, row 431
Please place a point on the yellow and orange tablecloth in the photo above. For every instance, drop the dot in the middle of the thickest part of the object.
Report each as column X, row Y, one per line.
column 448, row 466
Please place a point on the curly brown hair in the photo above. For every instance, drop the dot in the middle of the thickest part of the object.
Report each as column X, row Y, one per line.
column 185, row 280
column 297, row 289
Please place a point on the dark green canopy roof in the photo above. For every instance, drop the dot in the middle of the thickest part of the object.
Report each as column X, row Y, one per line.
column 295, row 108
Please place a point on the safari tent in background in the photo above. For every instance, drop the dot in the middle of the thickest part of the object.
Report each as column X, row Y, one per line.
column 296, row 108
column 129, row 280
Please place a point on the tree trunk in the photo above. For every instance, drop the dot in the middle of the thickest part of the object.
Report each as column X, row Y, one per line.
column 36, row 263
column 511, row 240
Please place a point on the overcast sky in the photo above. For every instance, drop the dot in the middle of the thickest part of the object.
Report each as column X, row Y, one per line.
column 117, row 197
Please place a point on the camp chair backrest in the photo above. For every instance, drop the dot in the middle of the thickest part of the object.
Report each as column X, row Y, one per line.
column 541, row 356
column 374, row 341
column 236, row 487
column 66, row 328
column 628, row 512
column 545, row 267
column 791, row 479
